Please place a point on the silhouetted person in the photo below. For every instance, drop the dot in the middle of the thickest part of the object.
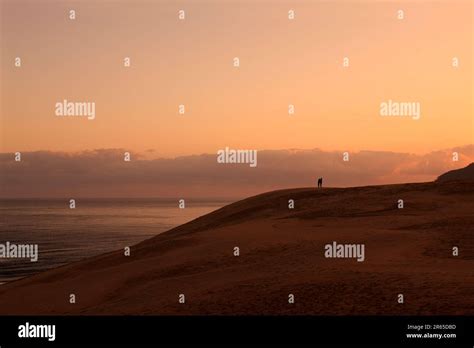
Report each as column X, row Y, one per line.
column 320, row 182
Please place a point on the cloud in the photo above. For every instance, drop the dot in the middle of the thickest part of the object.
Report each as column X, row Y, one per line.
column 104, row 173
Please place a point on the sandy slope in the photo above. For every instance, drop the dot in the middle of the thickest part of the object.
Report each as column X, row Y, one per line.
column 282, row 251
column 461, row 174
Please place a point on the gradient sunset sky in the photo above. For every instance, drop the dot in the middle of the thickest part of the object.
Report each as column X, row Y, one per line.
column 190, row 62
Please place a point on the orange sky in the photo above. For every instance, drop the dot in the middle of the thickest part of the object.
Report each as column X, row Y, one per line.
column 190, row 62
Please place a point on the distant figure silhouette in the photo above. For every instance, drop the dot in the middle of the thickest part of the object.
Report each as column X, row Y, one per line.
column 320, row 182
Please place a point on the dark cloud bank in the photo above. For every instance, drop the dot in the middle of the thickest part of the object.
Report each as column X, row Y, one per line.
column 104, row 173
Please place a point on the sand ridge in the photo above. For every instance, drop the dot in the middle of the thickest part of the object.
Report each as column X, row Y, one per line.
column 407, row 251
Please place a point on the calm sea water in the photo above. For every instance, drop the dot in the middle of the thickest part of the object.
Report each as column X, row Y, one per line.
column 96, row 226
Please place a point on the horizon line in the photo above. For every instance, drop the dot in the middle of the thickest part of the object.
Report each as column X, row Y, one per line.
column 216, row 199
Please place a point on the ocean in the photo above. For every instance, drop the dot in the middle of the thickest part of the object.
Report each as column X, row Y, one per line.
column 95, row 226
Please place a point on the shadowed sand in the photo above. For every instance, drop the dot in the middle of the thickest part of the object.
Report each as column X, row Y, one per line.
column 407, row 251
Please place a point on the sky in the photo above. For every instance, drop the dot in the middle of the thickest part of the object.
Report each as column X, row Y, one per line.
column 282, row 62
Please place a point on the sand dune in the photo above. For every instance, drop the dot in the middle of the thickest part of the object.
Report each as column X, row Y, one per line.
column 462, row 174
column 407, row 251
